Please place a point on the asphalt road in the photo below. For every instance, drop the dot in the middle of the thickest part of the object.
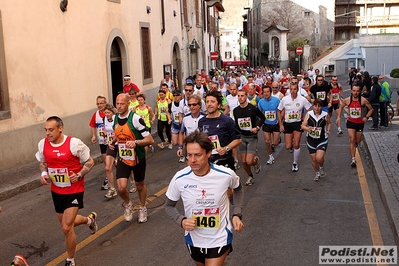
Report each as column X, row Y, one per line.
column 287, row 216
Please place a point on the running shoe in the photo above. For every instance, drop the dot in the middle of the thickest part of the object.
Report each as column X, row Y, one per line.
column 142, row 215
column 321, row 171
column 257, row 165
column 340, row 132
column 105, row 185
column 373, row 128
column 93, row 226
column 291, row 150
column 128, row 211
column 353, row 162
column 111, row 193
column 317, row 177
column 132, row 188
column 295, row 167
column 162, row 146
column 170, row 146
column 69, row 263
column 250, row 181
column 273, row 147
column 182, row 159
column 271, row 160
column 19, row 260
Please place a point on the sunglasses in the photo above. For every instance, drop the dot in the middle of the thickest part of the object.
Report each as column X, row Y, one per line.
column 294, row 83
column 192, row 104
column 188, row 90
column 319, row 80
column 275, row 87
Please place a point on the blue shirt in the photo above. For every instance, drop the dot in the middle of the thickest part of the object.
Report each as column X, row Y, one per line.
column 269, row 109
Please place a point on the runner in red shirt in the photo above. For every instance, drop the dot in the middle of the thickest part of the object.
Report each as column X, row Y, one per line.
column 128, row 85
column 61, row 158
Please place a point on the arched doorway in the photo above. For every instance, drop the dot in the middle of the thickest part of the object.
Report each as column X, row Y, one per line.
column 116, row 69
column 176, row 64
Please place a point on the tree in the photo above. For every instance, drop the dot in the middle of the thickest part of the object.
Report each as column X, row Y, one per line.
column 297, row 42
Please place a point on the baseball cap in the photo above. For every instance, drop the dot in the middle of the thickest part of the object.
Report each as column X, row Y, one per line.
column 189, row 81
column 176, row 93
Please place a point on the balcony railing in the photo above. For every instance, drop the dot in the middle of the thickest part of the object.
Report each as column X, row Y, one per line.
column 362, row 2
column 345, row 21
column 377, row 21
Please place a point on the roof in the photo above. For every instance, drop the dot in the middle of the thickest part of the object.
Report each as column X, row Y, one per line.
column 216, row 3
column 355, row 52
column 277, row 27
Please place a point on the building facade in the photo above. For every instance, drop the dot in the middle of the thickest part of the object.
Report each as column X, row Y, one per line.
column 362, row 17
column 59, row 63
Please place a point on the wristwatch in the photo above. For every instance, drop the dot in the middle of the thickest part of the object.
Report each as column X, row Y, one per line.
column 79, row 176
column 227, row 148
column 239, row 215
column 136, row 142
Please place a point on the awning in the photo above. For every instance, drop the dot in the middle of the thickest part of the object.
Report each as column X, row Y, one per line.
column 216, row 3
column 235, row 63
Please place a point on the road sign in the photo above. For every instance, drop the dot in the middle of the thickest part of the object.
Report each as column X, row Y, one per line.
column 299, row 50
column 214, row 55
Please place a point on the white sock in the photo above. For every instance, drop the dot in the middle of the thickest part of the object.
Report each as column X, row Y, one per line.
column 339, row 128
column 297, row 152
column 89, row 221
column 72, row 260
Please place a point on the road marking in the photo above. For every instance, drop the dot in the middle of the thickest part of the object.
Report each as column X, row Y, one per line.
column 368, row 203
column 103, row 230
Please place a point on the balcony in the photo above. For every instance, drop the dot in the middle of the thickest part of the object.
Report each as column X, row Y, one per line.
column 377, row 21
column 371, row 2
column 349, row 21
column 345, row 2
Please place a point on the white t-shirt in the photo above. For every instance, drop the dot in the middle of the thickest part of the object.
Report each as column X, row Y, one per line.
column 205, row 199
column 190, row 123
column 294, row 108
column 232, row 102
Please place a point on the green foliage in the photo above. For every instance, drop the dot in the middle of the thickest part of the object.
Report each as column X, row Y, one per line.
column 394, row 73
column 297, row 42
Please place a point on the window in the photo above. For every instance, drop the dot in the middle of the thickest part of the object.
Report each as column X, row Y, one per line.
column 307, row 13
column 4, row 100
column 146, row 53
column 227, row 44
column 227, row 55
column 185, row 13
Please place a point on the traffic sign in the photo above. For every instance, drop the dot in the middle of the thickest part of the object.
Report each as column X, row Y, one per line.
column 214, row 55
column 299, row 50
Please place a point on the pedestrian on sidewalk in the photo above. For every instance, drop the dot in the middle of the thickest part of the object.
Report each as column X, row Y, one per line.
column 61, row 158
column 374, row 100
column 207, row 224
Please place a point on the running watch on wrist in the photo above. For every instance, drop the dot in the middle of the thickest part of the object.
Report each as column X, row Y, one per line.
column 227, row 148
column 239, row 215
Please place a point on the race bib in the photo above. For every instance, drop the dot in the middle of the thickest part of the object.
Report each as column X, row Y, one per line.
column 126, row 153
column 270, row 115
column 321, row 95
column 101, row 134
column 245, row 123
column 293, row 116
column 335, row 96
column 59, row 177
column 216, row 143
column 176, row 118
column 207, row 218
column 315, row 132
column 355, row 112
column 110, row 136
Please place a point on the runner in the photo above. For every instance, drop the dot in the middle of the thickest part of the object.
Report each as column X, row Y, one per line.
column 291, row 109
column 248, row 119
column 232, row 102
column 221, row 131
column 61, row 158
column 132, row 136
column 97, row 132
column 133, row 102
column 174, row 113
column 111, row 154
column 146, row 113
column 206, row 221
column 336, row 95
column 164, row 120
column 190, row 122
column 317, row 125
column 355, row 122
column 271, row 130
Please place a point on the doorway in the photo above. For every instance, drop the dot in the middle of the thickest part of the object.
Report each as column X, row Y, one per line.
column 116, row 70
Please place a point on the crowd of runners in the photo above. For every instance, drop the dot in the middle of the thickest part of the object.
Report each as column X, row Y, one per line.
column 213, row 122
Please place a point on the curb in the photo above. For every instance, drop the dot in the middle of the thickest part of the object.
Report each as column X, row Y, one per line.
column 387, row 194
